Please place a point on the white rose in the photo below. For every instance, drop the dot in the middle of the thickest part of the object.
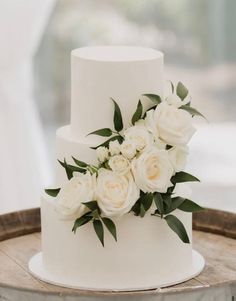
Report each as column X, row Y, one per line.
column 80, row 189
column 114, row 148
column 178, row 157
column 151, row 125
column 172, row 125
column 119, row 164
column 115, row 194
column 175, row 101
column 139, row 136
column 152, row 170
column 160, row 144
column 128, row 149
column 102, row 153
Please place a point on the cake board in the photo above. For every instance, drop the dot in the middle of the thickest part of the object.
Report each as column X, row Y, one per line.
column 37, row 269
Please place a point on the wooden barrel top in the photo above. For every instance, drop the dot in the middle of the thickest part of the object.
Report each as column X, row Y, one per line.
column 213, row 236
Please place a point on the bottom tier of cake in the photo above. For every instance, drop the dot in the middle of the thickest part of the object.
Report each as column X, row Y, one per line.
column 148, row 253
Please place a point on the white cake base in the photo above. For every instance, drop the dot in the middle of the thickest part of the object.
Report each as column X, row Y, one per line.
column 38, row 270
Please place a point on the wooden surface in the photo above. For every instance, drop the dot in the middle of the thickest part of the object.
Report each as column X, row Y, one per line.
column 17, row 284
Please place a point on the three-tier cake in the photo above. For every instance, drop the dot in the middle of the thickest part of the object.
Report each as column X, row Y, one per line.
column 147, row 253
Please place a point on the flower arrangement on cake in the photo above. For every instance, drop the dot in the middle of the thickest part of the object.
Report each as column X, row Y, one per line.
column 138, row 168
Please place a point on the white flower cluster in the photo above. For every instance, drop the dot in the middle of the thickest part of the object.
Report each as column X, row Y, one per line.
column 144, row 161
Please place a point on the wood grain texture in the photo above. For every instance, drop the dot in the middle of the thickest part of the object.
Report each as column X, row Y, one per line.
column 19, row 223
column 17, row 284
column 215, row 221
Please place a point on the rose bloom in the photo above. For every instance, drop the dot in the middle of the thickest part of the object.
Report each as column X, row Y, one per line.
column 175, row 101
column 114, row 148
column 128, row 149
column 116, row 194
column 102, row 154
column 152, row 170
column 119, row 164
column 80, row 189
column 178, row 157
column 139, row 136
column 172, row 125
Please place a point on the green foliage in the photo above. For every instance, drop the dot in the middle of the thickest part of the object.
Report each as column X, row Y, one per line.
column 177, row 226
column 183, row 176
column 119, row 138
column 70, row 169
column 80, row 163
column 192, row 111
column 93, row 205
column 166, row 199
column 111, row 227
column 117, row 119
column 53, row 192
column 159, row 202
column 98, row 227
column 181, row 91
column 143, row 204
column 154, row 98
column 105, row 132
column 84, row 219
column 189, row 206
column 175, row 203
column 172, row 87
column 138, row 113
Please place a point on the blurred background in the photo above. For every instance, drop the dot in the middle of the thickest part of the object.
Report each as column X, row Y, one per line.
column 199, row 42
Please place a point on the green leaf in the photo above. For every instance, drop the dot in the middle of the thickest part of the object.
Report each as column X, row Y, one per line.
column 53, row 192
column 69, row 172
column 172, row 87
column 182, row 176
column 111, row 227
column 151, row 108
column 136, row 208
column 181, row 91
column 154, row 98
column 80, row 163
column 98, row 227
column 177, row 226
column 142, row 210
column 175, row 203
column 189, row 206
column 84, row 219
column 159, row 202
column 117, row 119
column 192, row 111
column 146, row 201
column 120, row 139
column 106, row 132
column 167, row 200
column 138, row 113
column 168, row 146
column 93, row 205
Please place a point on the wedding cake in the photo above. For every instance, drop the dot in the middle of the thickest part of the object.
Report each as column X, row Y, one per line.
column 120, row 217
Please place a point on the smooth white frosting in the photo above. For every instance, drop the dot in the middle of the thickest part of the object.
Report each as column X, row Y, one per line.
column 99, row 73
column 147, row 251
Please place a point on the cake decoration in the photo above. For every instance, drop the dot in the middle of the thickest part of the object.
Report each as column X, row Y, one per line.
column 138, row 168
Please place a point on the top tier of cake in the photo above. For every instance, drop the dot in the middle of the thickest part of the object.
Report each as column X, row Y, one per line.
column 99, row 73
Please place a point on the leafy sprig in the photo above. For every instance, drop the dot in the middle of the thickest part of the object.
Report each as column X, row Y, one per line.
column 98, row 221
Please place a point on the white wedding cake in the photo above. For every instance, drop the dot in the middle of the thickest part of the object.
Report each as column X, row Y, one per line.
column 148, row 253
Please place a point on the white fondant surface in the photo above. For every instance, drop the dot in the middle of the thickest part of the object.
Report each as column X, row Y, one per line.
column 147, row 253
column 99, row 73
column 38, row 270
column 66, row 147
